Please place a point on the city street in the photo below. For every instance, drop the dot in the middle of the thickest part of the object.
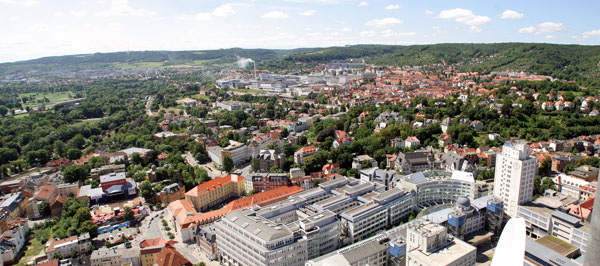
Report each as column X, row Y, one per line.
column 193, row 253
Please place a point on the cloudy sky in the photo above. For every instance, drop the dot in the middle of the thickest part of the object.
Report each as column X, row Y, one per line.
column 37, row 28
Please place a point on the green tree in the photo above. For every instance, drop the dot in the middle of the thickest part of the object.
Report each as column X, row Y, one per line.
column 227, row 164
column 136, row 158
column 89, row 227
column 255, row 165
column 146, row 190
column 60, row 148
column 78, row 141
column 44, row 208
column 545, row 166
column 73, row 154
column 3, row 110
column 128, row 214
column 74, row 173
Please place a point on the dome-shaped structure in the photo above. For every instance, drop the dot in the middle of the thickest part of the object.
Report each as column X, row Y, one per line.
column 463, row 203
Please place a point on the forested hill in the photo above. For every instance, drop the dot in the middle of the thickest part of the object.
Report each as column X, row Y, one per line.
column 573, row 62
column 144, row 59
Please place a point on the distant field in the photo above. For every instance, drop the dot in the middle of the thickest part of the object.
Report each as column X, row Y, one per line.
column 250, row 91
column 139, row 65
column 39, row 96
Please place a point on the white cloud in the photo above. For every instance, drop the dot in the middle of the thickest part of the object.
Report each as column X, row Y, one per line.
column 390, row 33
column 122, row 8
column 379, row 23
column 464, row 16
column 363, row 3
column 438, row 29
column 25, row 3
column 428, row 12
column 57, row 13
column 29, row 2
column 38, row 27
column 546, row 27
column 368, row 33
column 549, row 37
column 78, row 13
column 392, row 7
column 511, row 14
column 346, row 29
column 594, row 32
column 308, row 13
column 224, row 10
column 475, row 29
column 202, row 16
column 275, row 15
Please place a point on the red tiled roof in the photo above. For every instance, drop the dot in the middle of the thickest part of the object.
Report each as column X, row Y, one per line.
column 53, row 262
column 152, row 242
column 170, row 257
column 214, row 184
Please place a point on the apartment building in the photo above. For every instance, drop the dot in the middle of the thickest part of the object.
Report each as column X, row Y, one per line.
column 260, row 182
column 513, row 180
column 304, row 153
column 216, row 191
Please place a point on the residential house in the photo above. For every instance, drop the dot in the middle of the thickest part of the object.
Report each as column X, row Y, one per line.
column 358, row 162
column 412, row 142
column 304, row 153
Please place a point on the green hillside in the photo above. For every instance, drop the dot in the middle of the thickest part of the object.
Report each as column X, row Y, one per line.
column 142, row 59
column 574, row 62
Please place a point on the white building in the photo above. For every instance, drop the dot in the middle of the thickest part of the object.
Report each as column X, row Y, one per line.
column 246, row 239
column 515, row 171
column 429, row 244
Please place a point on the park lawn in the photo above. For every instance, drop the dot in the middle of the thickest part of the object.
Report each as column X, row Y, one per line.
column 53, row 98
column 32, row 248
column 200, row 97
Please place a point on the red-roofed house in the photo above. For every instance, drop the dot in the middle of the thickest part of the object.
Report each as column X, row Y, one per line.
column 412, row 142
column 331, row 168
column 304, row 153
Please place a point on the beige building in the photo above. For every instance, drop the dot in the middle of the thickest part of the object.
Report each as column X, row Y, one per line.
column 215, row 191
column 106, row 257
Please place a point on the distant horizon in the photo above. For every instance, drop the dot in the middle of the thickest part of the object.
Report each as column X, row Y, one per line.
column 33, row 28
column 260, row 48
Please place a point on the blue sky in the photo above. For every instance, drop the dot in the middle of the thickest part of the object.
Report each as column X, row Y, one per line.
column 36, row 28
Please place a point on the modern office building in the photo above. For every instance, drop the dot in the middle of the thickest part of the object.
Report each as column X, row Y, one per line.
column 429, row 244
column 246, row 239
column 437, row 187
column 513, row 181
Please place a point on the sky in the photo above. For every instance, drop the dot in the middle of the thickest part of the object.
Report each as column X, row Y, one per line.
column 37, row 28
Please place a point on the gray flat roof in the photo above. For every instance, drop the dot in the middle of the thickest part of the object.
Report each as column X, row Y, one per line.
column 566, row 217
column 364, row 251
column 540, row 252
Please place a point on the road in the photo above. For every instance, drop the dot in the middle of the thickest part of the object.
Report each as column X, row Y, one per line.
column 189, row 159
column 193, row 253
column 149, row 102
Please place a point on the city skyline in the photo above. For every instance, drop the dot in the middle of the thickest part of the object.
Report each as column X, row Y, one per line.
column 40, row 28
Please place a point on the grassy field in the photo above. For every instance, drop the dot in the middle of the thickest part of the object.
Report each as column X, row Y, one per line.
column 32, row 248
column 58, row 97
column 249, row 91
column 200, row 97
column 139, row 65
